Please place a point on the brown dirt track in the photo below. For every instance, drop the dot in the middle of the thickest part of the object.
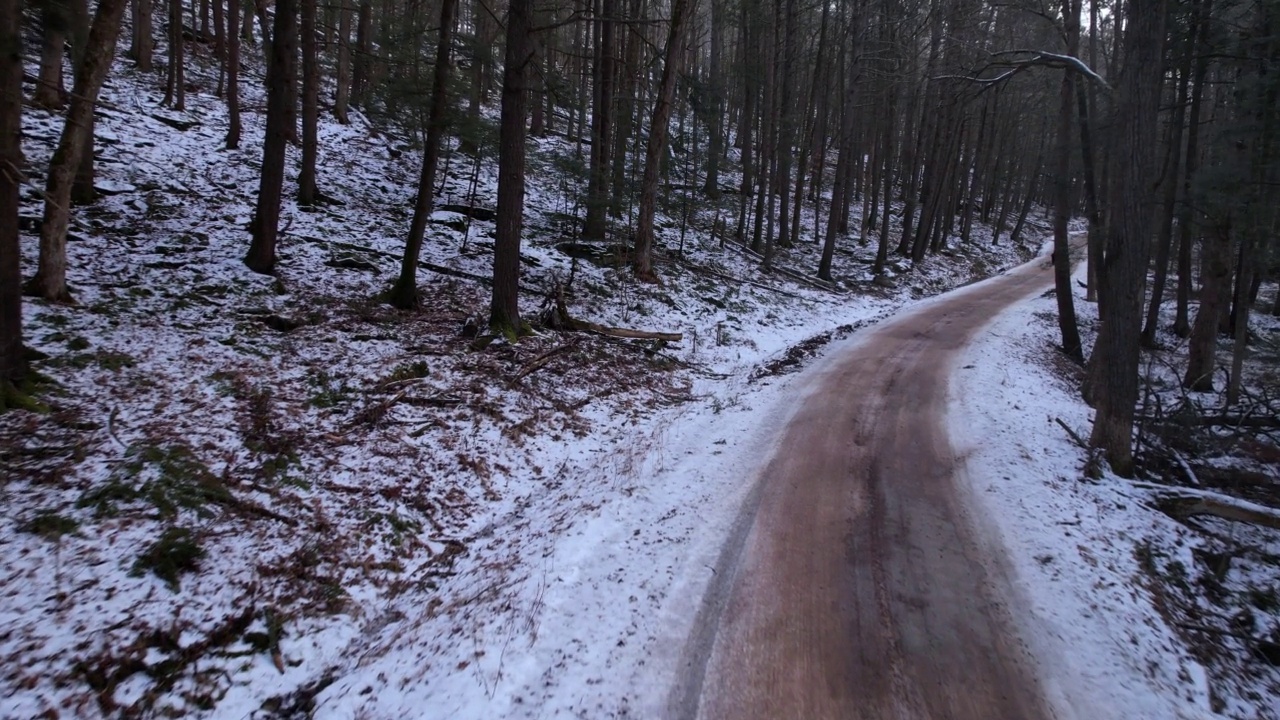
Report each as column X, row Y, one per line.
column 857, row 585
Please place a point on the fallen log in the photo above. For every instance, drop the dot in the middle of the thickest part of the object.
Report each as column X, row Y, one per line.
column 557, row 317
column 1231, row 421
column 1184, row 503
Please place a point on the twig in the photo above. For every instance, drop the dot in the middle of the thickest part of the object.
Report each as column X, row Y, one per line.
column 1074, row 437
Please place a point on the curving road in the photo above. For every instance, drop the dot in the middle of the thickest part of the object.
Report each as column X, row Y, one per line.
column 857, row 586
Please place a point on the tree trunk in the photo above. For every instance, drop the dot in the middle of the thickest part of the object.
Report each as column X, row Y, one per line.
column 310, row 104
column 266, row 217
column 175, row 92
column 504, row 310
column 1062, row 207
column 404, row 294
column 49, row 91
column 364, row 49
column 1181, row 323
column 1166, row 214
column 233, row 76
column 143, row 43
column 50, row 281
column 1123, row 272
column 1215, row 295
column 642, row 263
column 601, row 123
column 342, row 94
column 220, row 44
column 13, row 363
column 715, row 130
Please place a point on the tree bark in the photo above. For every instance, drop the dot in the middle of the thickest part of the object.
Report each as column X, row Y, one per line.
column 143, row 43
column 50, row 281
column 364, row 48
column 342, row 94
column 49, row 91
column 404, row 294
column 175, row 91
column 1123, row 271
column 233, row 75
column 642, row 262
column 1071, row 345
column 13, row 364
column 504, row 310
column 1215, row 295
column 266, row 217
column 601, row 123
column 310, row 104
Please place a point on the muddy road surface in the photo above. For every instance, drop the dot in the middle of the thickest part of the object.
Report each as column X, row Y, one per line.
column 857, row 586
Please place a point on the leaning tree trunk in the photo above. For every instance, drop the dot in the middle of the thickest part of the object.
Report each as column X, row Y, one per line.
column 266, row 218
column 310, row 104
column 642, row 263
column 404, row 294
column 504, row 309
column 50, row 281
column 1113, row 385
column 12, row 357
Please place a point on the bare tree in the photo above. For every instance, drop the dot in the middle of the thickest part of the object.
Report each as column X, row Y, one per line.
column 504, row 310
column 1113, row 383
column 50, row 281
column 404, row 294
column 642, row 263
column 12, row 358
column 266, row 217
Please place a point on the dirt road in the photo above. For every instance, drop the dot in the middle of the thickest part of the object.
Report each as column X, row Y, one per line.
column 857, row 586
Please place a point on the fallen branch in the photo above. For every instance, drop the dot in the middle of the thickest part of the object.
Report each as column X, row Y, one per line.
column 541, row 361
column 731, row 278
column 1074, row 437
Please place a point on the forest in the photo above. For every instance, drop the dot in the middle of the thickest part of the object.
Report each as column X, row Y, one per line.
column 201, row 209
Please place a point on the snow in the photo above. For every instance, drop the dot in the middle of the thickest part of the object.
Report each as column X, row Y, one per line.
column 1076, row 547
column 394, row 523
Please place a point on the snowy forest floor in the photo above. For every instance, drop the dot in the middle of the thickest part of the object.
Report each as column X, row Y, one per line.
column 256, row 497
column 261, row 495
column 1132, row 612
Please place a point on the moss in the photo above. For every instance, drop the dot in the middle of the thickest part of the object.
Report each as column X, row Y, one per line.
column 50, row 525
column 175, row 553
column 78, row 343
column 169, row 478
column 22, row 396
column 408, row 371
column 113, row 361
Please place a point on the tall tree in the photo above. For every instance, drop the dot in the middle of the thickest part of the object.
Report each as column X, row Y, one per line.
column 266, row 217
column 504, row 310
column 642, row 262
column 50, row 281
column 233, row 76
column 404, row 294
column 12, row 359
column 55, row 21
column 175, row 89
column 1113, row 384
column 1062, row 207
column 601, row 122
column 143, row 43
column 342, row 95
column 310, row 105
